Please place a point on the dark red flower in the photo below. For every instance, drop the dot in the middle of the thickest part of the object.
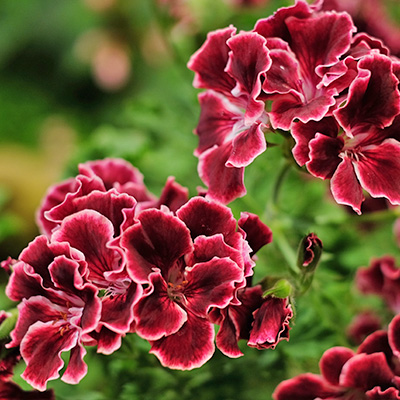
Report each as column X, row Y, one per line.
column 233, row 118
column 58, row 309
column 358, row 148
column 191, row 262
column 362, row 325
column 304, row 45
column 382, row 278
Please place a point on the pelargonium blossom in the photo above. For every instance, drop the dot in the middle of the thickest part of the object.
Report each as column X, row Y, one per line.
column 296, row 65
column 191, row 262
column 114, row 176
column 358, row 147
column 57, row 310
column 90, row 212
column 233, row 118
column 382, row 278
column 370, row 373
column 303, row 45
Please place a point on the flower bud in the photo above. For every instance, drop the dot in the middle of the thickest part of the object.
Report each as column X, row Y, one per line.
column 309, row 253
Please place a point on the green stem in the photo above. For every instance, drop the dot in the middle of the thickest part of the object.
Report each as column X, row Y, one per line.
column 279, row 181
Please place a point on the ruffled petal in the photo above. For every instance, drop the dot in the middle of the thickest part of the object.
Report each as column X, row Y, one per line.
column 117, row 309
column 365, row 371
column 378, row 170
column 271, row 323
column 157, row 240
column 43, row 356
column 257, row 233
column 204, row 217
column 108, row 341
column 54, row 196
column 304, row 133
column 345, row 187
column 191, row 347
column 90, row 232
column 247, row 145
column 236, row 321
column 208, row 247
column 217, row 120
column 211, row 284
column 210, row 60
column 248, row 60
column 225, row 184
column 158, row 315
column 373, row 96
column 76, row 368
column 394, row 335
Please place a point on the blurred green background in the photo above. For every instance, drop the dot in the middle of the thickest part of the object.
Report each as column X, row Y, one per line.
column 87, row 79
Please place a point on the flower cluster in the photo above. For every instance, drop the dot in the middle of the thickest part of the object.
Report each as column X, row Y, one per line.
column 113, row 259
column 372, row 372
column 306, row 71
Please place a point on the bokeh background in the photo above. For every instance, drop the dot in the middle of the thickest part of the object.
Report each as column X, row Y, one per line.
column 88, row 79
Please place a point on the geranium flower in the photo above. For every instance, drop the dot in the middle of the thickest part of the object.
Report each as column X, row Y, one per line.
column 233, row 118
column 370, row 16
column 359, row 147
column 303, row 44
column 382, row 278
column 190, row 262
column 57, row 309
column 344, row 375
column 114, row 176
column 362, row 325
column 92, row 234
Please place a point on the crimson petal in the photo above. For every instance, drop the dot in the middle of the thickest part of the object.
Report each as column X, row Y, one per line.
column 365, row 371
column 345, row 187
column 158, row 315
column 225, row 184
column 248, row 60
column 157, row 240
column 210, row 60
column 247, row 145
column 305, row 387
column 191, row 347
column 378, row 170
column 211, row 284
column 90, row 232
column 332, row 362
column 43, row 356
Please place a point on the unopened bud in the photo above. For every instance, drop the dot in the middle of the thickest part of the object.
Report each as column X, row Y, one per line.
column 309, row 253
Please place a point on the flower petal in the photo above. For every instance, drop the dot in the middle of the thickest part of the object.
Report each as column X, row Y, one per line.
column 345, row 187
column 305, row 387
column 76, row 368
column 378, row 170
column 271, row 323
column 248, row 60
column 157, row 240
column 211, row 284
column 332, row 362
column 90, row 232
column 373, row 95
column 247, row 145
column 191, row 347
column 43, row 356
column 158, row 315
column 225, row 184
column 365, row 371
